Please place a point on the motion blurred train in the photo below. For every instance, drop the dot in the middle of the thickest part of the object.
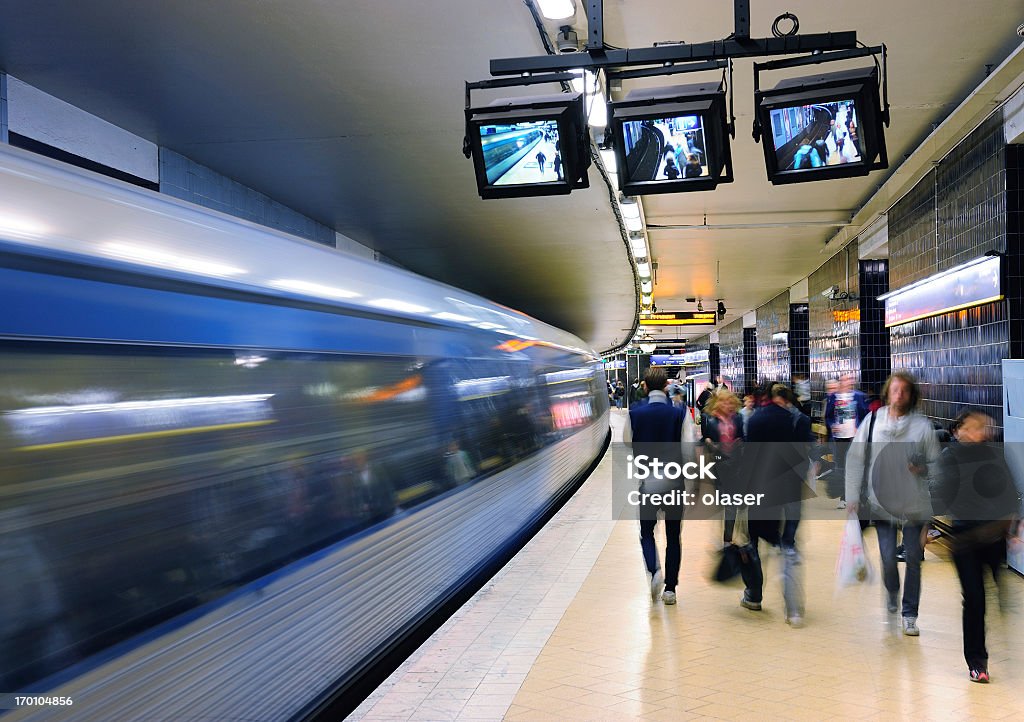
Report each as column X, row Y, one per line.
column 237, row 466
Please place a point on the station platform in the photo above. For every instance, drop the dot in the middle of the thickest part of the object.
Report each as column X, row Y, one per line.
column 567, row 630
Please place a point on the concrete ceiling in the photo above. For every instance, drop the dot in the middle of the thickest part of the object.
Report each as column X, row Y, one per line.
column 351, row 112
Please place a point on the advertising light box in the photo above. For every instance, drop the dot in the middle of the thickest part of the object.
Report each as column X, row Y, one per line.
column 971, row 284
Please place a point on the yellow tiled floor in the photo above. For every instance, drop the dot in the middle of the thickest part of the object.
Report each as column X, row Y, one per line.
column 617, row 655
column 586, row 642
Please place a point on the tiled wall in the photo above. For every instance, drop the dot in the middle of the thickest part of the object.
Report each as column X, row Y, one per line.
column 749, row 359
column 875, row 360
column 730, row 354
column 956, row 357
column 716, row 361
column 799, row 353
column 700, row 344
column 1014, row 264
column 773, row 357
column 3, row 107
column 833, row 326
column 190, row 181
column 970, row 197
column 912, row 249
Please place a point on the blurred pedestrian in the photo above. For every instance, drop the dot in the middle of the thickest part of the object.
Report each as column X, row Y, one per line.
column 776, row 449
column 890, row 462
column 656, row 429
column 976, row 489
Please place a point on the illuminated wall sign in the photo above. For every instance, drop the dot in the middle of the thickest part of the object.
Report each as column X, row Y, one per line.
column 665, row 359
column 696, row 357
column 970, row 284
column 611, row 365
column 852, row 314
column 680, row 318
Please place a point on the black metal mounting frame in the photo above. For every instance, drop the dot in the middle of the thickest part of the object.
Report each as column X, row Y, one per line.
column 816, row 58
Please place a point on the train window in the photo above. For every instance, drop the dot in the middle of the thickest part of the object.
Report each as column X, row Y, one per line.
column 139, row 483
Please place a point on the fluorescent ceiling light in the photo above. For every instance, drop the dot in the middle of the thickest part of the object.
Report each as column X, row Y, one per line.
column 639, row 247
column 634, row 224
column 150, row 256
column 645, row 300
column 646, row 286
column 311, row 289
column 392, row 304
column 446, row 316
column 608, row 158
column 644, row 269
column 629, row 209
column 584, row 82
column 557, row 9
column 598, row 117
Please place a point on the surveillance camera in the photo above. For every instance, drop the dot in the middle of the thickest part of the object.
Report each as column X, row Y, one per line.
column 830, row 291
column 567, row 41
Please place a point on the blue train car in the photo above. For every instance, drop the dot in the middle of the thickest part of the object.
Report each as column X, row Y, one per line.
column 222, row 445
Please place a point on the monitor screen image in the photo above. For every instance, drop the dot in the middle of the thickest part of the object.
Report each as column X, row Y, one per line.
column 665, row 149
column 819, row 135
column 522, row 153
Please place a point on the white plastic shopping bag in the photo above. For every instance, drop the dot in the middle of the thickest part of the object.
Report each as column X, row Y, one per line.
column 852, row 567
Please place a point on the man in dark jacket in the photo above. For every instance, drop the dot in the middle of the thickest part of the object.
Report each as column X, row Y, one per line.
column 778, row 439
column 976, row 488
column 655, row 429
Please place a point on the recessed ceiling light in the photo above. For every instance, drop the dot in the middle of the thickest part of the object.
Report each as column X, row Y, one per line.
column 557, row 9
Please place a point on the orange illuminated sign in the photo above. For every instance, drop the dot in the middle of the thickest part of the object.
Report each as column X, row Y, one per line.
column 852, row 314
column 680, row 318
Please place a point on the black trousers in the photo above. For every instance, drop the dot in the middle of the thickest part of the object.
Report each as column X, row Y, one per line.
column 970, row 560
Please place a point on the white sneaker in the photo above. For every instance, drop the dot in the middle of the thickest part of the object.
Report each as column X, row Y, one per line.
column 657, row 584
column 795, row 621
column 910, row 627
column 669, row 597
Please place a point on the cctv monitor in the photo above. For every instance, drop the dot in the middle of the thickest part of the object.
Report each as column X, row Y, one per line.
column 529, row 147
column 522, row 153
column 820, row 128
column 671, row 140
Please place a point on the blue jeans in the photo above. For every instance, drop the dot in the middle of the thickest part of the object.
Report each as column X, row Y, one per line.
column 673, row 550
column 753, row 574
column 618, row 403
column 890, row 573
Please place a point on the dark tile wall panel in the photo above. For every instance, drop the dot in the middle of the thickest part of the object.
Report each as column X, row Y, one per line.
column 833, row 325
column 195, row 183
column 730, row 354
column 3, row 107
column 749, row 359
column 912, row 250
column 1013, row 268
column 799, row 352
column 875, row 359
column 970, row 197
column 716, row 361
column 773, row 357
column 956, row 357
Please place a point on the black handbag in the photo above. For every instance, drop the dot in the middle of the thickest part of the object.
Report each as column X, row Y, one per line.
column 730, row 562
